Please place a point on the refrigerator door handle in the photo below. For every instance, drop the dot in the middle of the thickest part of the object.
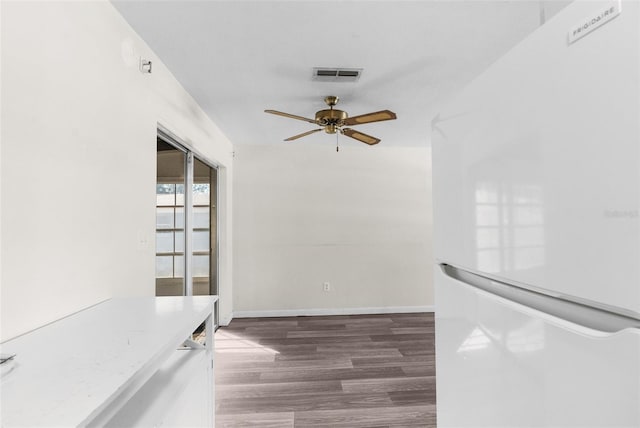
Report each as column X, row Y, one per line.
column 577, row 313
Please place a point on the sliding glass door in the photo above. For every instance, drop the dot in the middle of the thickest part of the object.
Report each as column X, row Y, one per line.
column 204, row 272
column 186, row 223
column 170, row 220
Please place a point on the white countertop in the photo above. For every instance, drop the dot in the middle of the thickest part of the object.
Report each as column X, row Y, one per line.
column 66, row 373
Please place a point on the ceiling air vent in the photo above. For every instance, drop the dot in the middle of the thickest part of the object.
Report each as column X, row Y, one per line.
column 326, row 74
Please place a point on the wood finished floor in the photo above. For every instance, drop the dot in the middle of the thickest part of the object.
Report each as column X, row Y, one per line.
column 351, row 371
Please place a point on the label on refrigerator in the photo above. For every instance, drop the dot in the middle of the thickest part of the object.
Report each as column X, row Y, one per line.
column 595, row 21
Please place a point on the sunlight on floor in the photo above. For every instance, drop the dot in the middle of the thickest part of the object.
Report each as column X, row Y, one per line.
column 227, row 342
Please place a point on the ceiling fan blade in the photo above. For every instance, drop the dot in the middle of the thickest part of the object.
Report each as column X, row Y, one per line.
column 377, row 116
column 304, row 134
column 367, row 139
column 292, row 116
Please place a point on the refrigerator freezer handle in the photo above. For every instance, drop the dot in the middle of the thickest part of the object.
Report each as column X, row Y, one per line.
column 565, row 310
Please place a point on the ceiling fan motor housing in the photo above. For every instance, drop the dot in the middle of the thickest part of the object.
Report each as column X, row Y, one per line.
column 331, row 119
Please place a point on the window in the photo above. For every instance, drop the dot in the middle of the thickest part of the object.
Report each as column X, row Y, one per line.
column 170, row 230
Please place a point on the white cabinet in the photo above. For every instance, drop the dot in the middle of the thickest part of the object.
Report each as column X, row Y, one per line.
column 119, row 363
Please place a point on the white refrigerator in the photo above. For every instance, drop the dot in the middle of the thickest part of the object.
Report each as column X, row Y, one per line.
column 536, row 175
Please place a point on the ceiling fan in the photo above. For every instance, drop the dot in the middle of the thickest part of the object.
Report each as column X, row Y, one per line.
column 333, row 121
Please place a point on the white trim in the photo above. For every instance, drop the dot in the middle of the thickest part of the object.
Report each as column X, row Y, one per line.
column 333, row 311
column 224, row 322
column 164, row 133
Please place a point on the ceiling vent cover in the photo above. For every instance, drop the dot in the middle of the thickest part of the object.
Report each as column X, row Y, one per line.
column 327, row 74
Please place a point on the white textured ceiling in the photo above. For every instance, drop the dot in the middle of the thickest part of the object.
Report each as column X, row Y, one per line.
column 237, row 58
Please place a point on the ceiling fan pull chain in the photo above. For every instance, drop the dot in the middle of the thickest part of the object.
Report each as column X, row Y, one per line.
column 337, row 147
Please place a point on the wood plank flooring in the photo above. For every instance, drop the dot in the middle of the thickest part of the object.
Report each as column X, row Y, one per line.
column 374, row 371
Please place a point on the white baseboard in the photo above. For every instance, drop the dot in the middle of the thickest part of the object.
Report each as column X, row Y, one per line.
column 332, row 311
column 223, row 322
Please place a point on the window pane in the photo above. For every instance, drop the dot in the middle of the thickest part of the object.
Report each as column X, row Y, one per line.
column 165, row 200
column 164, row 266
column 164, row 218
column 201, row 217
column 201, row 240
column 179, row 217
column 180, row 194
column 179, row 242
column 164, row 242
column 178, row 266
column 165, row 194
column 201, row 194
column 201, row 266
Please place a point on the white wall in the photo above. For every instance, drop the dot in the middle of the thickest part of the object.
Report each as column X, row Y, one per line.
column 359, row 219
column 78, row 161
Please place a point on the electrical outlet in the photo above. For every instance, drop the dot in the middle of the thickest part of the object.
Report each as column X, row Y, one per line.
column 326, row 286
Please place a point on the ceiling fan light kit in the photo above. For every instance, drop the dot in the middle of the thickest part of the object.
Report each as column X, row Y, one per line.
column 333, row 121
